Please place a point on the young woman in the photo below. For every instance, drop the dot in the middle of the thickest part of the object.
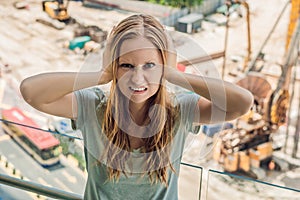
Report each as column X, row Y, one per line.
column 134, row 137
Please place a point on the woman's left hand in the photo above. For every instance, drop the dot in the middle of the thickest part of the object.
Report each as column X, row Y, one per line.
column 171, row 53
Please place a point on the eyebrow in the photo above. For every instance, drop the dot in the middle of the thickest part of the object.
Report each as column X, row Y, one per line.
column 148, row 62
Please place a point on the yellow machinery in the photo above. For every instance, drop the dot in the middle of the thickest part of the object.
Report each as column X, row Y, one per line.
column 294, row 15
column 248, row 147
column 56, row 9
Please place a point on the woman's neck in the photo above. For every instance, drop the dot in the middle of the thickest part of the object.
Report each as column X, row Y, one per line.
column 139, row 115
column 139, row 112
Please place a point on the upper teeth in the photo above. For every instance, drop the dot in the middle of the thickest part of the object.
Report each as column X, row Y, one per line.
column 137, row 89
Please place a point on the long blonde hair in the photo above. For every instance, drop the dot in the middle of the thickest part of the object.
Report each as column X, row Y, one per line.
column 115, row 113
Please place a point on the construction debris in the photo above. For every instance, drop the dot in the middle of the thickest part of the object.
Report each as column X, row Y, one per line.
column 52, row 23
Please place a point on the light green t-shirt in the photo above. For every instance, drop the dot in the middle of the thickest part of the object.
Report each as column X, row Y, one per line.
column 134, row 186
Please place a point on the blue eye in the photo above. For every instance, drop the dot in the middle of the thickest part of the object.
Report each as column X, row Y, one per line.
column 126, row 65
column 149, row 65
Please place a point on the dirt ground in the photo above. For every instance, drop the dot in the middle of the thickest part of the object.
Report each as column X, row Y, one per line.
column 29, row 47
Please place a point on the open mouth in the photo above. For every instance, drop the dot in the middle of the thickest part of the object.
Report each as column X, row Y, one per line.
column 138, row 89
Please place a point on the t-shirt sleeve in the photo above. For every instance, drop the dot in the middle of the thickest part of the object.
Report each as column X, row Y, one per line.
column 87, row 101
column 188, row 107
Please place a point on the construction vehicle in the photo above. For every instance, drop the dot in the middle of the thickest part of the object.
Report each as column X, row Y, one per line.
column 248, row 147
column 57, row 9
column 58, row 14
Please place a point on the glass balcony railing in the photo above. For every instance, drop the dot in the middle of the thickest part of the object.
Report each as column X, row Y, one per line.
column 34, row 190
column 218, row 185
column 188, row 189
column 67, row 180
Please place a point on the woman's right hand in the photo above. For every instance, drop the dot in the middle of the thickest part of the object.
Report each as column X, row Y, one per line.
column 106, row 72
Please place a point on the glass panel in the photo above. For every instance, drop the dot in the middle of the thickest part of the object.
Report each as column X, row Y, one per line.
column 228, row 186
column 189, row 182
column 16, row 162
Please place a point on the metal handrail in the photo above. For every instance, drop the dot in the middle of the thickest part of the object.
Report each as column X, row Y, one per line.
column 60, row 194
column 38, row 188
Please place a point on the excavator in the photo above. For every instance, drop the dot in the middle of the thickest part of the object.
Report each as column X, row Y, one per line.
column 57, row 9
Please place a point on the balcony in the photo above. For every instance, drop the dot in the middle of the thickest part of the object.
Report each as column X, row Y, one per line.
column 22, row 178
column 227, row 185
column 195, row 182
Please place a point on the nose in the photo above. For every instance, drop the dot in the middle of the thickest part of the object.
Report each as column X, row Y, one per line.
column 137, row 76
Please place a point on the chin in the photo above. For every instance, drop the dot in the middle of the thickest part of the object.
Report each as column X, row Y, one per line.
column 138, row 99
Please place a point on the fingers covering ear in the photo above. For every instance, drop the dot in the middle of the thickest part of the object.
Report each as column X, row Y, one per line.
column 170, row 51
column 107, row 56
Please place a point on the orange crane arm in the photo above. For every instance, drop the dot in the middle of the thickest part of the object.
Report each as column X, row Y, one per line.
column 294, row 15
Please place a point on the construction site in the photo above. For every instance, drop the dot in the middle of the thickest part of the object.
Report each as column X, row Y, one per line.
column 254, row 44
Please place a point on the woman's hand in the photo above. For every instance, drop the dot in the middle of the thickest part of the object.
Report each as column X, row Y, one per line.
column 106, row 72
column 171, row 65
column 170, row 73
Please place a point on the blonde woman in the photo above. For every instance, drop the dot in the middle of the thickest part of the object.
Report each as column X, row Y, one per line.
column 134, row 137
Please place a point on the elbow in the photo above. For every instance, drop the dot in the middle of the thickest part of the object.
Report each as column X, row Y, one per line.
column 242, row 106
column 246, row 102
column 25, row 91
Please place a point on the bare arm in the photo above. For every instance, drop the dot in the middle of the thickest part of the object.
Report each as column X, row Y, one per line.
column 223, row 101
column 52, row 93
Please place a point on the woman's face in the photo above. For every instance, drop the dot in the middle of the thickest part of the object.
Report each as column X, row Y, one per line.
column 139, row 69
